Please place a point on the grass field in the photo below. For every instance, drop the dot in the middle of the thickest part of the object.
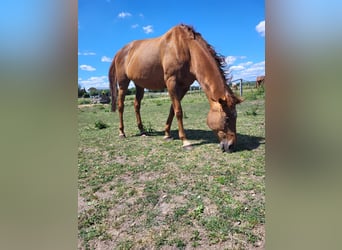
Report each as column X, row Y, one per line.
column 147, row 193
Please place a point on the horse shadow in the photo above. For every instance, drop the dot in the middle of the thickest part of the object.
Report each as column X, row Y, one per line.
column 245, row 142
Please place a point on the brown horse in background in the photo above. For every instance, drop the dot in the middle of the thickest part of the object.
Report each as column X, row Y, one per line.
column 174, row 61
column 260, row 81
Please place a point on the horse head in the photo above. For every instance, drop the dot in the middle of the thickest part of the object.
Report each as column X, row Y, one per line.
column 222, row 120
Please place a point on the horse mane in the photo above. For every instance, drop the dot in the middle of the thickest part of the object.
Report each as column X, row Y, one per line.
column 219, row 58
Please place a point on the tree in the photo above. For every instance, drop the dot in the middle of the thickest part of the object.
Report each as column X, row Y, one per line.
column 131, row 91
column 93, row 91
column 81, row 92
column 106, row 92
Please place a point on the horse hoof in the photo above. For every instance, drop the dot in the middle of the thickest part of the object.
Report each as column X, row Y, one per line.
column 168, row 138
column 188, row 147
column 122, row 136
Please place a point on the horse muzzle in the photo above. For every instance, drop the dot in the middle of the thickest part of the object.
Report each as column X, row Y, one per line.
column 227, row 146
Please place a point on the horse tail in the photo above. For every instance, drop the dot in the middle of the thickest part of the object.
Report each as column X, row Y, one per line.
column 113, row 84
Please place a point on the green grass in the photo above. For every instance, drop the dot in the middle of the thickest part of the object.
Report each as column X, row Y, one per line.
column 146, row 192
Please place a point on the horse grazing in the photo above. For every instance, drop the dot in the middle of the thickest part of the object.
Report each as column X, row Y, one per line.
column 174, row 61
column 260, row 80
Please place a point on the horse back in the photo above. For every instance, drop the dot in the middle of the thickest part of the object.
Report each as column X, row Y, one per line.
column 150, row 62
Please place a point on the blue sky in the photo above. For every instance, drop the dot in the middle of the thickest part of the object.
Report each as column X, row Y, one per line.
column 236, row 29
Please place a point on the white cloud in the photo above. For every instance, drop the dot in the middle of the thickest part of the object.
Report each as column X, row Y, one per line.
column 239, row 67
column 148, row 29
column 124, row 14
column 106, row 59
column 87, row 67
column 236, row 68
column 134, row 26
column 260, row 64
column 230, row 60
column 260, row 28
column 98, row 82
column 246, row 64
column 248, row 71
column 86, row 53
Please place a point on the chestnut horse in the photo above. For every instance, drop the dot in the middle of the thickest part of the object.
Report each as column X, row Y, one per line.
column 174, row 61
column 260, row 80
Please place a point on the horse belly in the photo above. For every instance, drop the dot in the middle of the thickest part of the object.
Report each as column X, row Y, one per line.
column 147, row 74
column 154, row 82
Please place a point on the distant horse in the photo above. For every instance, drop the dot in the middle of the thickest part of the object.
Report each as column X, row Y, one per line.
column 260, row 80
column 235, row 86
column 174, row 61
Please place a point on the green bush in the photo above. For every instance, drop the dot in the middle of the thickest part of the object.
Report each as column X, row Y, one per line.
column 100, row 124
column 84, row 101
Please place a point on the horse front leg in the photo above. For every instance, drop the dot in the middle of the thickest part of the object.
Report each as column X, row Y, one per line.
column 181, row 132
column 138, row 97
column 176, row 95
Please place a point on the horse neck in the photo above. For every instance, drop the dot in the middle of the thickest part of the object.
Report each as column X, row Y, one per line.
column 208, row 74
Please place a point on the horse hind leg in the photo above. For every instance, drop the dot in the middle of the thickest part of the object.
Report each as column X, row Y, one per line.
column 168, row 124
column 123, row 86
column 137, row 104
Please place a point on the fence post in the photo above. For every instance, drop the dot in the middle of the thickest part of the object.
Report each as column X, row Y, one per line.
column 240, row 87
